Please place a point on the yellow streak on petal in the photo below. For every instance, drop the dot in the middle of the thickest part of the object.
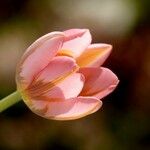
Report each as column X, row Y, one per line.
column 39, row 88
column 89, row 57
column 65, row 52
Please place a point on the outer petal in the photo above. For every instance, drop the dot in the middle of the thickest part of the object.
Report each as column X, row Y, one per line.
column 38, row 56
column 66, row 109
column 57, row 67
column 94, row 55
column 99, row 82
column 73, row 33
column 76, row 41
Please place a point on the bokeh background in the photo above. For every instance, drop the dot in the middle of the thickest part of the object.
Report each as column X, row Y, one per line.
column 123, row 123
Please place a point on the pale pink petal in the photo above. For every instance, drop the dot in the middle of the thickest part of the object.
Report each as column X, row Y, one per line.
column 107, row 91
column 70, row 87
column 76, row 41
column 94, row 55
column 99, row 82
column 57, row 67
column 42, row 39
column 66, row 109
column 57, row 80
column 38, row 56
column 37, row 105
column 73, row 33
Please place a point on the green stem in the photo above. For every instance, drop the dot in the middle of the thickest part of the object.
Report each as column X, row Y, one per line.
column 9, row 100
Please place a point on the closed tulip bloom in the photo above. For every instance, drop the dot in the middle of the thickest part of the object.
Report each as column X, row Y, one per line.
column 60, row 75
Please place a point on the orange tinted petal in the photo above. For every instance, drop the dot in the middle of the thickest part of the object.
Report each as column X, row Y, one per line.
column 94, row 55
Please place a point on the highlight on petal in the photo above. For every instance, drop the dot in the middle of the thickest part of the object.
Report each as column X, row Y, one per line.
column 76, row 41
column 59, row 109
column 99, row 82
column 37, row 57
column 94, row 55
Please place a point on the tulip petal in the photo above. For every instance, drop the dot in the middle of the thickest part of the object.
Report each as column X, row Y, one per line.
column 57, row 67
column 38, row 56
column 73, row 33
column 66, row 109
column 68, row 88
column 94, row 55
column 100, row 83
column 54, row 73
column 77, row 40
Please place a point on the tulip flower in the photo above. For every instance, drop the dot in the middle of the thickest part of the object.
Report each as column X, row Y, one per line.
column 60, row 75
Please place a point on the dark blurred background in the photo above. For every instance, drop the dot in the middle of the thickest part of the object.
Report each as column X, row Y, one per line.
column 123, row 123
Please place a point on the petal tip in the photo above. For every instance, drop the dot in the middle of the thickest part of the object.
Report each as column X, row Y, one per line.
column 107, row 47
column 97, row 107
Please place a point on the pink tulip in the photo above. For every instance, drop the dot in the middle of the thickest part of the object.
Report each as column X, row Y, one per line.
column 59, row 76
